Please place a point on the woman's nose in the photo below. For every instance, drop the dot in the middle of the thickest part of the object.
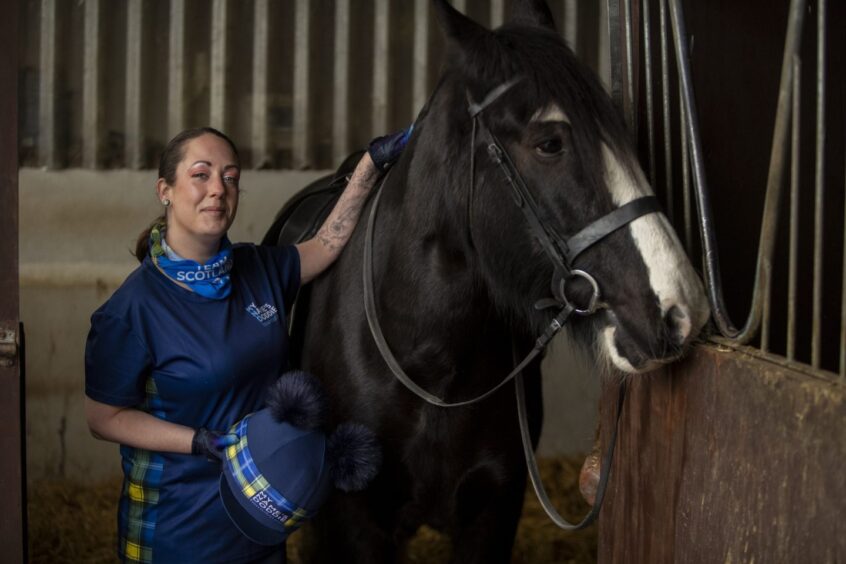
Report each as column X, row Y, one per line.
column 217, row 186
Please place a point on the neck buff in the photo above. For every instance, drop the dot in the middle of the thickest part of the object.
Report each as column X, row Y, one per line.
column 210, row 280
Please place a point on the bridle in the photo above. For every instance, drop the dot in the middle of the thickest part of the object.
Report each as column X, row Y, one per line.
column 562, row 253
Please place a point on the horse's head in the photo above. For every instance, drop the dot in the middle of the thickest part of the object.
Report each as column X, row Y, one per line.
column 570, row 145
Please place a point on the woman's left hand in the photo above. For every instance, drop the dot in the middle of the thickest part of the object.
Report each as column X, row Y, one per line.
column 211, row 443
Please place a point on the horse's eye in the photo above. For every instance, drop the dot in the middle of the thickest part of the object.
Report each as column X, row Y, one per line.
column 550, row 147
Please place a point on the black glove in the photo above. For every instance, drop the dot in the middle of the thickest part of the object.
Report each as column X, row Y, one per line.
column 386, row 150
column 211, row 444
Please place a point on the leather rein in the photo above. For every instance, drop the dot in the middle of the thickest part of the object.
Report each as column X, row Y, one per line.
column 561, row 253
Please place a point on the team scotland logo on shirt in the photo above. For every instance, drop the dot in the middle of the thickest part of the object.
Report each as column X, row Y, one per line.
column 265, row 314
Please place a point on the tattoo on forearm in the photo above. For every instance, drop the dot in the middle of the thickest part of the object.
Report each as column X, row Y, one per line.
column 339, row 225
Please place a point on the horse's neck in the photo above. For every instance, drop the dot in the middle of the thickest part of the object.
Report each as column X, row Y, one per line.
column 424, row 268
column 437, row 318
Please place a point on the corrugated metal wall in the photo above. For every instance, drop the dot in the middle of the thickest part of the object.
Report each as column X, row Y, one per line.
column 296, row 83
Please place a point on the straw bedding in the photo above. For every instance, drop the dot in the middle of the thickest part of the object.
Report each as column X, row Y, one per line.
column 73, row 522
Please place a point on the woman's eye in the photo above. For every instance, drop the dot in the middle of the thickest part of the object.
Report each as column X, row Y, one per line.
column 200, row 175
column 550, row 147
column 230, row 180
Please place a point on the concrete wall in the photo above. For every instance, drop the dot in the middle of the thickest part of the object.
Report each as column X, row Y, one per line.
column 77, row 228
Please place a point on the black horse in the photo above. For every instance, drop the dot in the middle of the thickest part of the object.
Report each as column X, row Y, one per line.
column 457, row 274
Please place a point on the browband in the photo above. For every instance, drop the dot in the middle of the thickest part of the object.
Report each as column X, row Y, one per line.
column 491, row 97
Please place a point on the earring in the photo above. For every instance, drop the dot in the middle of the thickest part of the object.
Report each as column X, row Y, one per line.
column 165, row 202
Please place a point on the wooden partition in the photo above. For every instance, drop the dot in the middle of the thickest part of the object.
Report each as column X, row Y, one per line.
column 737, row 454
column 729, row 456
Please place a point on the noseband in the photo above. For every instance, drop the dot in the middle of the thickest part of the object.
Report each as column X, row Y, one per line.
column 561, row 253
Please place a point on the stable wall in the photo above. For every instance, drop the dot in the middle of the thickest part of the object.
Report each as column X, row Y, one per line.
column 77, row 230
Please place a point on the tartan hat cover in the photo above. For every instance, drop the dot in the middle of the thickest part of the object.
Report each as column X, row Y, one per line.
column 284, row 466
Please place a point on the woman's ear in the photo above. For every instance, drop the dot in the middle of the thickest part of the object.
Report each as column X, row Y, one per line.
column 162, row 189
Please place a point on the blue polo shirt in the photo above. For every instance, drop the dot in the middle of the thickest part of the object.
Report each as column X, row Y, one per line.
column 198, row 362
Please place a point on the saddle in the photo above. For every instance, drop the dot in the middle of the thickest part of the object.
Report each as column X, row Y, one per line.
column 301, row 216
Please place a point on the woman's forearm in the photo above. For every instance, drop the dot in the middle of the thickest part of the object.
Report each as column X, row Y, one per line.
column 135, row 428
column 318, row 253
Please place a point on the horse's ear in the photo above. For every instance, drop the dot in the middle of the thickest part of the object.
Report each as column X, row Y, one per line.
column 458, row 28
column 532, row 13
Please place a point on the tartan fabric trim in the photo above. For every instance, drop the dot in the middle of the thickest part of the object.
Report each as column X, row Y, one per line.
column 140, row 496
column 152, row 401
column 255, row 487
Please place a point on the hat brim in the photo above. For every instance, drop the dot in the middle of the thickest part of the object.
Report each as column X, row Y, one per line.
column 245, row 522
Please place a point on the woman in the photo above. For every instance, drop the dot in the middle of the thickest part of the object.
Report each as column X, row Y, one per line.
column 190, row 342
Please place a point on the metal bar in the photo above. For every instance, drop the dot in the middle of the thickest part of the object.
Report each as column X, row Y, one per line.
column 766, row 311
column 497, row 13
column 616, row 57
column 650, row 105
column 176, row 68
column 685, row 162
column 819, row 192
column 219, row 52
column 629, row 105
column 134, row 68
column 777, row 157
column 571, row 24
column 665, row 104
column 341, row 100
column 301, row 126
column 420, row 70
column 91, row 63
column 381, row 66
column 602, row 44
column 47, row 156
column 260, row 138
column 766, row 302
column 794, row 209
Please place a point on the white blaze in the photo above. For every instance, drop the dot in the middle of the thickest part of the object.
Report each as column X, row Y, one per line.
column 551, row 113
column 671, row 275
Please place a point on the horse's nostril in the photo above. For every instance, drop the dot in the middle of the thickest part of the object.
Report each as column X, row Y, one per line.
column 678, row 325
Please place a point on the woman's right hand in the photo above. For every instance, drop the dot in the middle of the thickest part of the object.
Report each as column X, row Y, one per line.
column 136, row 428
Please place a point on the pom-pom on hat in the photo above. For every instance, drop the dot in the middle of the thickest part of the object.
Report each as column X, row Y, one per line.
column 284, row 466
